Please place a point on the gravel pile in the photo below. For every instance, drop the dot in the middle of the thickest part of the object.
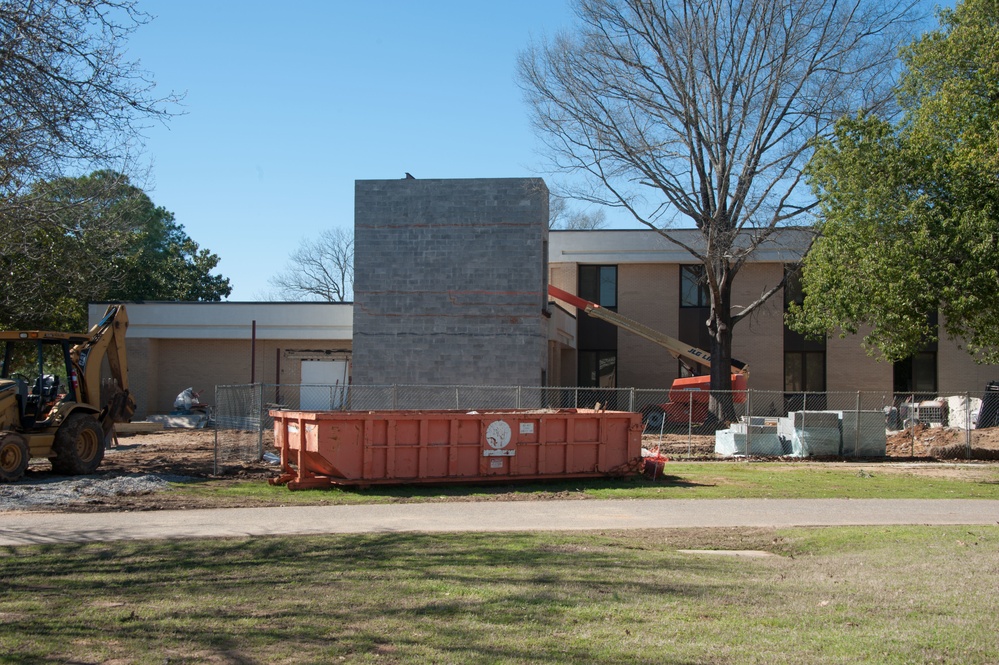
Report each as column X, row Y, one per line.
column 28, row 493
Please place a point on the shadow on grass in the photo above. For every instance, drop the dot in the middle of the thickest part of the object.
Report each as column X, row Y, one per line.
column 558, row 489
column 460, row 598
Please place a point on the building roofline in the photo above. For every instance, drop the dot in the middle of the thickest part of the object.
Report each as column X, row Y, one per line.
column 785, row 245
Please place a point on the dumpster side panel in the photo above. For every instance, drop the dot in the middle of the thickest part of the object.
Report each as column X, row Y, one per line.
column 435, row 446
column 552, row 455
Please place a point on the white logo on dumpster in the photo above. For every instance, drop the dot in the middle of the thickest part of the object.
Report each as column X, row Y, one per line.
column 498, row 436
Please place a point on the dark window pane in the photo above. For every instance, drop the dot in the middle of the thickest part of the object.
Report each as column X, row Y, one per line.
column 589, row 288
column 608, row 286
column 917, row 374
column 804, row 371
column 598, row 284
column 792, row 372
column 588, row 368
column 815, row 372
column 598, row 369
column 608, row 370
column 693, row 289
column 792, row 288
column 924, row 372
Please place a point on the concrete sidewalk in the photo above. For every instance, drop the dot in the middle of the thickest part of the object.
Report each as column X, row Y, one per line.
column 17, row 528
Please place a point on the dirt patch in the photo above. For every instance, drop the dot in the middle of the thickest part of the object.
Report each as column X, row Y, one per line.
column 143, row 464
column 944, row 443
column 174, row 452
column 134, row 476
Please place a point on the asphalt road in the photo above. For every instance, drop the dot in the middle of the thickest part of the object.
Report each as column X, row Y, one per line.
column 20, row 528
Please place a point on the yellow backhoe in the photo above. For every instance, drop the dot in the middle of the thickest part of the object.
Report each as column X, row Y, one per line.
column 51, row 402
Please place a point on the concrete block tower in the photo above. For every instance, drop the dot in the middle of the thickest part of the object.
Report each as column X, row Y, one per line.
column 450, row 282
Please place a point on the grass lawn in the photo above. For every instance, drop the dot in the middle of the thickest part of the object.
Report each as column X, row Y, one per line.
column 834, row 595
column 684, row 480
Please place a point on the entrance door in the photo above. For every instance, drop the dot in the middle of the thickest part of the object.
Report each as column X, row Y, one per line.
column 324, row 384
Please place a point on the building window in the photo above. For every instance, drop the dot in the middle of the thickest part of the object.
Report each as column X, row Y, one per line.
column 917, row 374
column 694, row 287
column 804, row 359
column 598, row 284
column 793, row 293
column 598, row 369
column 804, row 371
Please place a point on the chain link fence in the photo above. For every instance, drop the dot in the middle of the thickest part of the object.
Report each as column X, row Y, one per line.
column 680, row 423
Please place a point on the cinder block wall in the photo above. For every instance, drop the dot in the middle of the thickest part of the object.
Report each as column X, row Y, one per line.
column 160, row 368
column 450, row 281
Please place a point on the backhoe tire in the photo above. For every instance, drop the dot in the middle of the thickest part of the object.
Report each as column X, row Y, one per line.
column 14, row 457
column 78, row 446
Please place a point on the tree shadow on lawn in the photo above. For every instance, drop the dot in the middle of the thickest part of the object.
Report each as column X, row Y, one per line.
column 528, row 490
column 474, row 597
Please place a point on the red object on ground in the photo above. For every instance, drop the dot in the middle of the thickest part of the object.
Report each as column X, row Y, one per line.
column 654, row 466
column 323, row 448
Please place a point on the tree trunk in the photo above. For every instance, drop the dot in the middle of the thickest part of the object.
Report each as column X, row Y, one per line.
column 721, row 404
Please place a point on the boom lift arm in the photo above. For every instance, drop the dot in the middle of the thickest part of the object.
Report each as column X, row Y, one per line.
column 685, row 353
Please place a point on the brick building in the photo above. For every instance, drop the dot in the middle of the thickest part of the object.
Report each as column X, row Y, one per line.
column 451, row 289
column 175, row 345
column 646, row 278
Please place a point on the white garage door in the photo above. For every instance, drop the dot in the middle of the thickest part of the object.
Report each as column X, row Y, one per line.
column 324, row 384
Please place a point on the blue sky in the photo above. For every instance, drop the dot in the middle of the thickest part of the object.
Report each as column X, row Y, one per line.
column 285, row 108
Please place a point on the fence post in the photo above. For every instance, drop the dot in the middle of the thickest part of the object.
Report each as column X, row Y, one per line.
column 395, row 397
column 912, row 420
column 520, row 398
column 260, row 421
column 856, row 441
column 804, row 410
column 749, row 419
column 215, row 461
column 690, row 422
column 967, row 424
column 631, row 400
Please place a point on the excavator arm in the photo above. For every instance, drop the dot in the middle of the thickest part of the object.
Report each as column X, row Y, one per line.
column 105, row 340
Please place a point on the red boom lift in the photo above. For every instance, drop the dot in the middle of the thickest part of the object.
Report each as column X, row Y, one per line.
column 688, row 396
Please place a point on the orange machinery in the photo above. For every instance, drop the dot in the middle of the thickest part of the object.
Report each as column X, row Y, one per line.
column 688, row 396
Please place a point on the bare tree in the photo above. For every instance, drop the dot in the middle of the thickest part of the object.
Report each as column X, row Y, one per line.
column 705, row 112
column 562, row 216
column 70, row 102
column 320, row 269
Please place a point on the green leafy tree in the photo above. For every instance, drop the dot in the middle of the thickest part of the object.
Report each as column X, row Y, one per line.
column 102, row 239
column 911, row 209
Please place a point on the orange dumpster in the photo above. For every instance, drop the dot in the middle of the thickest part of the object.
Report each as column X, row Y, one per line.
column 323, row 448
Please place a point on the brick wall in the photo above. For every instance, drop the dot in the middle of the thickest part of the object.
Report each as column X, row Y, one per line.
column 759, row 338
column 849, row 368
column 160, row 368
column 649, row 294
column 450, row 281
